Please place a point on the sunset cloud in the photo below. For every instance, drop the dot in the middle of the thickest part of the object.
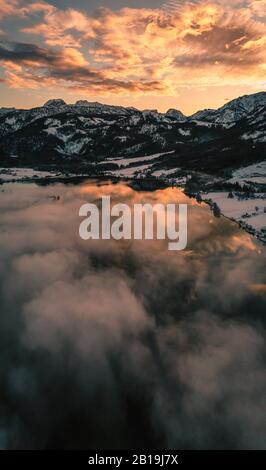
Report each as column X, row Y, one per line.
column 28, row 65
column 56, row 25
column 140, row 50
column 8, row 8
column 258, row 8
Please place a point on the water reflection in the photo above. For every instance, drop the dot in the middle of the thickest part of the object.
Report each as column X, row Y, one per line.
column 131, row 344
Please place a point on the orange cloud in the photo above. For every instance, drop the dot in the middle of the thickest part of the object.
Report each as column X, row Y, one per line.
column 8, row 8
column 56, row 25
column 258, row 7
column 205, row 43
column 29, row 66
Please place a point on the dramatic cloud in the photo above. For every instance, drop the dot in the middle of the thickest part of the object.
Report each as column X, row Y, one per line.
column 131, row 345
column 30, row 66
column 57, row 25
column 201, row 43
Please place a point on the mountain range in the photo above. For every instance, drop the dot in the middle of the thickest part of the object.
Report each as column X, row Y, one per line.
column 83, row 134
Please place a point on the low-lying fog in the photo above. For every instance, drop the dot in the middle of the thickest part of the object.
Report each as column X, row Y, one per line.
column 108, row 344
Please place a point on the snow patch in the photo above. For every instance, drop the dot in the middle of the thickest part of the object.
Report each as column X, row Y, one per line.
column 11, row 174
column 255, row 173
column 248, row 211
column 184, row 132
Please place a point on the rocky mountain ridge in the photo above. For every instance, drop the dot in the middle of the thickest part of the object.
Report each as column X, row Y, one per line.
column 85, row 133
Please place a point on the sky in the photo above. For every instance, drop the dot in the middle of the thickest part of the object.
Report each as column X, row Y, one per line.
column 150, row 54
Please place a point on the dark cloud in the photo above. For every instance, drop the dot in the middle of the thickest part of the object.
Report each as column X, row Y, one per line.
column 65, row 66
column 127, row 345
column 20, row 52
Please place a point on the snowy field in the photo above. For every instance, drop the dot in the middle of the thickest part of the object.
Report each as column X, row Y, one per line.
column 130, row 166
column 248, row 211
column 129, row 161
column 18, row 174
column 250, row 174
column 130, row 171
column 159, row 173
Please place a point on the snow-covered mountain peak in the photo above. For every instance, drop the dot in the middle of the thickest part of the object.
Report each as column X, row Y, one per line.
column 91, row 130
column 90, row 104
column 55, row 103
column 176, row 114
column 232, row 112
column 246, row 103
column 100, row 108
column 82, row 103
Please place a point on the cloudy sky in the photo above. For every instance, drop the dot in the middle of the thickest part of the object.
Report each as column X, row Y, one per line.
column 148, row 54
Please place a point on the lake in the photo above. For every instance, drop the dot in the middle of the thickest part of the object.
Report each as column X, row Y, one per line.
column 125, row 344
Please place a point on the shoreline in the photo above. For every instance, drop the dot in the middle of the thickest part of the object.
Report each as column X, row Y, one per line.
column 148, row 183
